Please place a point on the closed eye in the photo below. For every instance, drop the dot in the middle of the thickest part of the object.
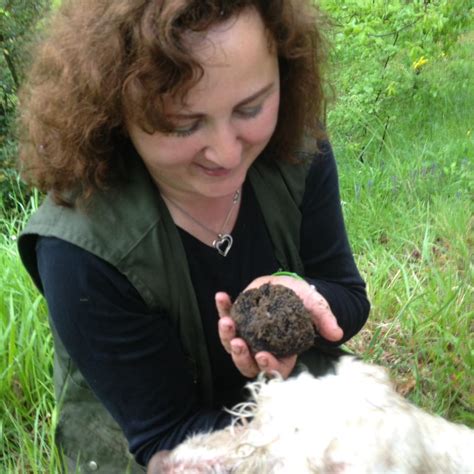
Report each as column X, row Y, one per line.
column 249, row 112
column 187, row 130
column 244, row 113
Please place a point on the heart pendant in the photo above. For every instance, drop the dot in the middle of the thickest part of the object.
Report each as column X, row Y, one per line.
column 223, row 244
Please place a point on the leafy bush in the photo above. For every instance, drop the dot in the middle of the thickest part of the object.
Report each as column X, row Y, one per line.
column 18, row 22
column 380, row 51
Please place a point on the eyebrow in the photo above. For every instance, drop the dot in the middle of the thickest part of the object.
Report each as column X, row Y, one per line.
column 261, row 92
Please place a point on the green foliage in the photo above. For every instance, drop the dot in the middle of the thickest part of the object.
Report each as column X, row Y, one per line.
column 18, row 21
column 27, row 407
column 408, row 208
column 381, row 50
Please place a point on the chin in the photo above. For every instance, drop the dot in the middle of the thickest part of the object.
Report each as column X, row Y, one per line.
column 224, row 187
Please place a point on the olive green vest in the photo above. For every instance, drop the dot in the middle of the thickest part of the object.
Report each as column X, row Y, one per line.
column 131, row 228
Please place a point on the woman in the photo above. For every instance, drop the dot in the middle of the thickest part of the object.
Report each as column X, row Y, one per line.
column 168, row 135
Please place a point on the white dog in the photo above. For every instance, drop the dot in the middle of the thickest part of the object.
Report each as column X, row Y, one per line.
column 350, row 422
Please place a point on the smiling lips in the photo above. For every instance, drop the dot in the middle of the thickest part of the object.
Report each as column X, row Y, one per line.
column 216, row 172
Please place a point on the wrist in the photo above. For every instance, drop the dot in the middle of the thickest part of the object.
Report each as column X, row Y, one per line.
column 290, row 274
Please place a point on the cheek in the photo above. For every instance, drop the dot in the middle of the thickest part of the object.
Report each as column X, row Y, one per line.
column 163, row 151
column 174, row 151
column 260, row 130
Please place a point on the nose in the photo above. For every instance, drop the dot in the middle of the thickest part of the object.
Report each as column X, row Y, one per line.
column 224, row 146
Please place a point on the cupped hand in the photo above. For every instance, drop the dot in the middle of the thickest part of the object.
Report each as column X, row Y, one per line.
column 323, row 318
column 249, row 365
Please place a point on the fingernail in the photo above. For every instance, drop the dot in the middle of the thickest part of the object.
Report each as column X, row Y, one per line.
column 237, row 350
column 262, row 362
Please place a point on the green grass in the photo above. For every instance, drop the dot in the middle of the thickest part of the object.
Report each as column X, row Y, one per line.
column 409, row 212
column 26, row 394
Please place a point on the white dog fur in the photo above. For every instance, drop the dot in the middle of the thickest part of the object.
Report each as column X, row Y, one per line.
column 350, row 422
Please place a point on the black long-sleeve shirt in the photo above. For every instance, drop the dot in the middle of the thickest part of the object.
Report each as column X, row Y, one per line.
column 132, row 358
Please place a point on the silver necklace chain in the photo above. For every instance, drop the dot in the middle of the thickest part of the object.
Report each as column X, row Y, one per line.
column 223, row 241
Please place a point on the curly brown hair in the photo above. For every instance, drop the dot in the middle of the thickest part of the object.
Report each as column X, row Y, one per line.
column 103, row 58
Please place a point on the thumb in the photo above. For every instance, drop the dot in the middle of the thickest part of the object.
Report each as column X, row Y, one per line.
column 223, row 304
column 328, row 328
column 323, row 317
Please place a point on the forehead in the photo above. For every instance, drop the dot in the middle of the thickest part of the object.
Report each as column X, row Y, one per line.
column 242, row 33
column 236, row 56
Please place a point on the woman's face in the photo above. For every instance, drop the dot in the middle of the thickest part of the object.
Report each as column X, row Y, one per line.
column 227, row 118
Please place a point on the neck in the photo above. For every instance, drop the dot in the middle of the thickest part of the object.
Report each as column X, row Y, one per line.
column 198, row 202
column 199, row 206
column 206, row 218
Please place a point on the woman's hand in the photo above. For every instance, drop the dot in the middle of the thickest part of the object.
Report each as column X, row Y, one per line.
column 250, row 365
column 323, row 318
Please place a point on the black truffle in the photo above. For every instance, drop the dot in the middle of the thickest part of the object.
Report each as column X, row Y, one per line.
column 273, row 318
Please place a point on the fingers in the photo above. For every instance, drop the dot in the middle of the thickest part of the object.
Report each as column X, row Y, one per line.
column 250, row 366
column 323, row 318
column 225, row 325
column 243, row 359
column 226, row 328
column 223, row 304
column 268, row 363
column 237, row 348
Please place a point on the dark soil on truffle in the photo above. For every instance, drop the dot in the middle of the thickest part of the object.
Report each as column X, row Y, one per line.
column 273, row 318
